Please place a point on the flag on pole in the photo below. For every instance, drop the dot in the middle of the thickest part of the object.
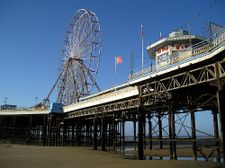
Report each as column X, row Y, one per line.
column 119, row 60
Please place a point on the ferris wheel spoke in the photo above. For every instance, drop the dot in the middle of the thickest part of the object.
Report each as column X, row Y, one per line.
column 87, row 32
column 79, row 80
column 82, row 51
column 81, row 29
column 83, row 79
column 86, row 37
column 75, row 27
column 87, row 71
column 85, row 86
column 89, row 74
column 86, row 28
column 84, row 34
column 81, row 43
column 74, row 84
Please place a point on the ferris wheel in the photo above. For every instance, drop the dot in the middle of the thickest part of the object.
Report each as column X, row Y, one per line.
column 80, row 58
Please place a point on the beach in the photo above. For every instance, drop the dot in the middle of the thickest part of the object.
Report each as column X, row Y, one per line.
column 27, row 156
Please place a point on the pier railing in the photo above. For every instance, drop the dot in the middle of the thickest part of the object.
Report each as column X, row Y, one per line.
column 198, row 50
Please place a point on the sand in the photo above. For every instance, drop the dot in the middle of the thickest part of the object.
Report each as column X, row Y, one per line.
column 24, row 156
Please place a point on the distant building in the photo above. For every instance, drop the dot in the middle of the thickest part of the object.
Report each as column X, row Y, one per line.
column 8, row 107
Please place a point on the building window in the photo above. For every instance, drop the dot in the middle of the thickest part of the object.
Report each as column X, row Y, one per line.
column 163, row 59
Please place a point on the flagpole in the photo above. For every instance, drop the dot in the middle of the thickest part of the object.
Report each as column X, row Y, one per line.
column 115, row 74
column 189, row 29
column 131, row 64
column 142, row 47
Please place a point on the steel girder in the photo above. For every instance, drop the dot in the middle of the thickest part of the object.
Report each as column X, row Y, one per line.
column 107, row 108
column 200, row 75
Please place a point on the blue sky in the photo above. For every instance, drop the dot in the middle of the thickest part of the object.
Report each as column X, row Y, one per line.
column 32, row 31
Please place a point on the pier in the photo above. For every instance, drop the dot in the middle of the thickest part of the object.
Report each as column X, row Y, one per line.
column 149, row 99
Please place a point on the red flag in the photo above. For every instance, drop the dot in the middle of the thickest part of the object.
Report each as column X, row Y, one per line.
column 119, row 60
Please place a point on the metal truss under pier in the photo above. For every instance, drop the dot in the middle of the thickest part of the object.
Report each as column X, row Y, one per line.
column 29, row 127
column 24, row 129
column 163, row 115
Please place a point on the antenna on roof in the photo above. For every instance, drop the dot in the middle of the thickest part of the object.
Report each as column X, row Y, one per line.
column 160, row 35
column 189, row 29
column 5, row 100
column 131, row 63
column 142, row 47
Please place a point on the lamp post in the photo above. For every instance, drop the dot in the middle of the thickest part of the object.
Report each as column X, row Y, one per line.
column 5, row 100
